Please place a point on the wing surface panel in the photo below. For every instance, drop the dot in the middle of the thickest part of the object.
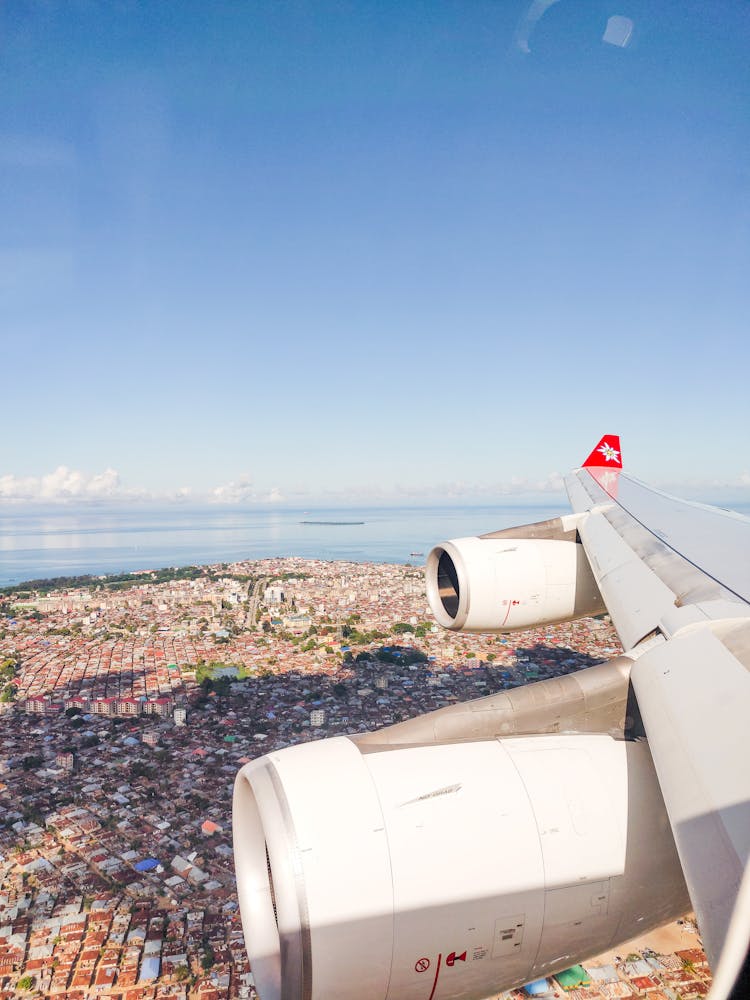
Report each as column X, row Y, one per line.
column 700, row 743
column 699, row 552
column 636, row 598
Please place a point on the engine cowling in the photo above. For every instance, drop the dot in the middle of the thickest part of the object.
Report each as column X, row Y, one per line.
column 446, row 870
column 502, row 584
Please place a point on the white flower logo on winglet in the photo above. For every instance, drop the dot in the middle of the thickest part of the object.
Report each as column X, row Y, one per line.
column 610, row 454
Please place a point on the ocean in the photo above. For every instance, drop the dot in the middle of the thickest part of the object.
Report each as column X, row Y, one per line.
column 38, row 543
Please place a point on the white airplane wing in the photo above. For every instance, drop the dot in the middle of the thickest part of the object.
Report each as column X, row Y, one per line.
column 494, row 842
column 675, row 577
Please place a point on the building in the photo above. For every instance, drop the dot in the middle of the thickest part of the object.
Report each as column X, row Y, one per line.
column 80, row 703
column 129, row 706
column 158, row 706
column 103, row 706
column 36, row 706
column 273, row 595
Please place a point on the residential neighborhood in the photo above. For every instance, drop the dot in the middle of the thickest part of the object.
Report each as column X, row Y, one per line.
column 126, row 713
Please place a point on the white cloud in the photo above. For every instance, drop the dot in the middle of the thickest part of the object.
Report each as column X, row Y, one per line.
column 106, row 483
column 63, row 484
column 242, row 490
column 236, row 491
column 18, row 488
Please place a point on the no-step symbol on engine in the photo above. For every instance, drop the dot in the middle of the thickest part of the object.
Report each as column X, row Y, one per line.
column 422, row 965
column 453, row 958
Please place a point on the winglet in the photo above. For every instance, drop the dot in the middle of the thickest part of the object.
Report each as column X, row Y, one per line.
column 606, row 455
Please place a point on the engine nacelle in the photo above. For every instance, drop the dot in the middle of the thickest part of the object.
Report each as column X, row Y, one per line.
column 497, row 583
column 446, row 870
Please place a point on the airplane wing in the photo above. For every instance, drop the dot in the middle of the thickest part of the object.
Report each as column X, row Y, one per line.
column 489, row 843
column 675, row 577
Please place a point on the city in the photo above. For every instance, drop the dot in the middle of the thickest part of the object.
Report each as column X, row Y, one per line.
column 129, row 704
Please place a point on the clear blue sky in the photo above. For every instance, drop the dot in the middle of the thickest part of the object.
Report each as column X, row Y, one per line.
column 370, row 246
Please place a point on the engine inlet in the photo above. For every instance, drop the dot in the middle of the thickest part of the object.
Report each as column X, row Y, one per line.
column 447, row 582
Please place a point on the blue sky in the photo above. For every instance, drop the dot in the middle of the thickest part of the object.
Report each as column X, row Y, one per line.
column 262, row 250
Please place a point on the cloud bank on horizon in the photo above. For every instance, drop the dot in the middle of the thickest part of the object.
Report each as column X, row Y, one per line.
column 74, row 487
column 65, row 485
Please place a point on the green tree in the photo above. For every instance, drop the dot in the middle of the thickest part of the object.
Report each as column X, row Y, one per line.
column 7, row 670
column 223, row 686
column 25, row 983
column 9, row 693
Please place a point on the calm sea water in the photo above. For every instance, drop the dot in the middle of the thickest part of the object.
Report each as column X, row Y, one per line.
column 60, row 541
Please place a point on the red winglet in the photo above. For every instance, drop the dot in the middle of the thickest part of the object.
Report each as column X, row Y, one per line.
column 606, row 455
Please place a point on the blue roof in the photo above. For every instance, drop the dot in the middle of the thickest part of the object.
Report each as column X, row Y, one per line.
column 150, row 967
column 539, row 987
column 147, row 865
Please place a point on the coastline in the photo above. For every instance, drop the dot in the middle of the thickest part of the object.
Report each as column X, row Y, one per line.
column 43, row 544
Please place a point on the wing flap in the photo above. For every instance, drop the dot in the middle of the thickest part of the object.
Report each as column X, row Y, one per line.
column 635, row 596
column 693, row 694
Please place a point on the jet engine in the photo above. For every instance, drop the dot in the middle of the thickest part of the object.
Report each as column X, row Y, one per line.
column 512, row 579
column 458, row 869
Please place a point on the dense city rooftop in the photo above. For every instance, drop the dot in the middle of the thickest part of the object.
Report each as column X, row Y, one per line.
column 127, row 712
